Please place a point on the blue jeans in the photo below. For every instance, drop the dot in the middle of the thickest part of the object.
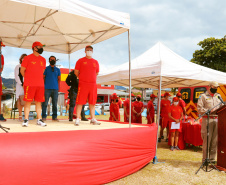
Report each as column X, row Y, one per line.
column 53, row 93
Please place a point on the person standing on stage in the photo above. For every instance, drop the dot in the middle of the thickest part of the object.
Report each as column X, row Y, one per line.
column 182, row 104
column 73, row 82
column 126, row 108
column 19, row 86
column 114, row 109
column 164, row 122
column 1, row 69
column 151, row 110
column 176, row 116
column 138, row 108
column 206, row 101
column 51, row 77
column 32, row 69
column 87, row 69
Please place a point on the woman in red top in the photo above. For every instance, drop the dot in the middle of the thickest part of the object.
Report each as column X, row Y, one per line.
column 114, row 109
column 126, row 108
column 151, row 110
column 164, row 122
column 138, row 108
column 175, row 115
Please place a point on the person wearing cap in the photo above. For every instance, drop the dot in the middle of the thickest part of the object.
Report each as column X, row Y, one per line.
column 164, row 122
column 1, row 69
column 52, row 79
column 138, row 108
column 175, row 115
column 126, row 108
column 151, row 110
column 206, row 101
column 114, row 109
column 181, row 103
column 32, row 69
column 87, row 69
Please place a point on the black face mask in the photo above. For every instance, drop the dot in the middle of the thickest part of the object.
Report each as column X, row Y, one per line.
column 52, row 62
column 40, row 50
column 138, row 99
column 212, row 90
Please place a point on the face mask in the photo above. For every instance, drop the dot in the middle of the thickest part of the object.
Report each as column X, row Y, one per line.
column 138, row 99
column 212, row 90
column 52, row 62
column 40, row 50
column 175, row 103
column 89, row 53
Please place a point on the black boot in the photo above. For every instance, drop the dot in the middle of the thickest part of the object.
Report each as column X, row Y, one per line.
column 70, row 116
column 83, row 118
column 2, row 118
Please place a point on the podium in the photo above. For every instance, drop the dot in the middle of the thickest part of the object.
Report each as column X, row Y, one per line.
column 221, row 151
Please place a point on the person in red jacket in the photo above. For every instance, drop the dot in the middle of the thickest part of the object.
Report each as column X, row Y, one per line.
column 114, row 109
column 138, row 108
column 175, row 116
column 181, row 103
column 151, row 110
column 126, row 108
column 164, row 122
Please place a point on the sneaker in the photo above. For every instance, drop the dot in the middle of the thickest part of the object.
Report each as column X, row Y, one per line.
column 25, row 123
column 70, row 119
column 85, row 119
column 172, row 148
column 55, row 119
column 41, row 123
column 177, row 148
column 94, row 122
column 77, row 122
column 159, row 140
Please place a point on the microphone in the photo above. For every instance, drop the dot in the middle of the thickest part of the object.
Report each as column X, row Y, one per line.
column 219, row 97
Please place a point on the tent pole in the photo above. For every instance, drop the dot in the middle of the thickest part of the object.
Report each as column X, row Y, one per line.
column 155, row 160
column 129, row 80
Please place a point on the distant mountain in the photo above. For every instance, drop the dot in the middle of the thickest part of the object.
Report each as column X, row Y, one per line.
column 9, row 83
column 120, row 88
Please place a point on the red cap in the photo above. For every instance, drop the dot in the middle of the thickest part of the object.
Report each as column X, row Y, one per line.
column 132, row 94
column 114, row 96
column 138, row 96
column 37, row 44
column 178, row 94
column 175, row 99
column 153, row 96
column 2, row 44
column 167, row 94
column 89, row 46
column 162, row 95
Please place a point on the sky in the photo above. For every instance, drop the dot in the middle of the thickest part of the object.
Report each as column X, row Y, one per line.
column 178, row 24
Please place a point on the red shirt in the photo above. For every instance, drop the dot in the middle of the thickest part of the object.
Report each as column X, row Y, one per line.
column 35, row 66
column 115, row 109
column 182, row 104
column 138, row 105
column 175, row 111
column 151, row 107
column 126, row 104
column 88, row 69
column 165, row 105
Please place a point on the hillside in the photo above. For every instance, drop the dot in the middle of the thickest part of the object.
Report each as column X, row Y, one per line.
column 9, row 83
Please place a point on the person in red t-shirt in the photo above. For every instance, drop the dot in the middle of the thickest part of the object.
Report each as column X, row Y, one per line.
column 175, row 115
column 182, row 104
column 151, row 110
column 164, row 122
column 138, row 108
column 87, row 69
column 32, row 69
column 126, row 108
column 114, row 109
column 1, row 69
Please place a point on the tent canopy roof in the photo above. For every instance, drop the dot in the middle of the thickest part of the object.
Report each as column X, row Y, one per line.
column 64, row 26
column 160, row 61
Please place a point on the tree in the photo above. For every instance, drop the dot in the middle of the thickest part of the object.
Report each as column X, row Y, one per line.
column 212, row 54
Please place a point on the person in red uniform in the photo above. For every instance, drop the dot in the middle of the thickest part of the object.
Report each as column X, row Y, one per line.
column 164, row 122
column 32, row 69
column 175, row 115
column 151, row 110
column 1, row 69
column 138, row 108
column 126, row 108
column 114, row 109
column 182, row 104
column 87, row 69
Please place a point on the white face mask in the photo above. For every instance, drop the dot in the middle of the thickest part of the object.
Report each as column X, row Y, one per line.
column 89, row 53
column 175, row 103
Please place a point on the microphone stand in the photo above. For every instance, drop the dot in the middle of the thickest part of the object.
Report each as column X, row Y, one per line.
column 207, row 160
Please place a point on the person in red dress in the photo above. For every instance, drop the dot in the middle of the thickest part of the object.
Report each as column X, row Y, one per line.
column 126, row 108
column 138, row 108
column 175, row 115
column 114, row 109
column 164, row 121
column 151, row 110
column 182, row 104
